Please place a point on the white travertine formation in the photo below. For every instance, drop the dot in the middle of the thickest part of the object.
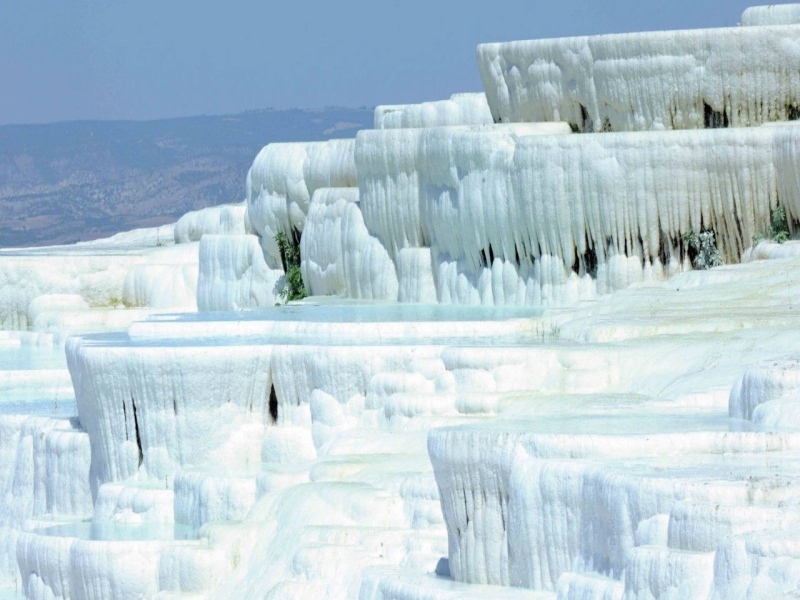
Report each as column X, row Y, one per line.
column 139, row 268
column 225, row 219
column 586, row 462
column 647, row 81
column 415, row 276
column 151, row 237
column 769, row 394
column 282, row 181
column 45, row 464
column 321, row 248
column 167, row 280
column 772, row 14
column 131, row 504
column 229, row 419
column 551, row 219
column 233, row 274
column 625, row 193
column 97, row 279
column 581, row 460
column 161, row 286
column 389, row 171
column 598, row 420
column 369, row 271
column 460, row 109
column 767, row 250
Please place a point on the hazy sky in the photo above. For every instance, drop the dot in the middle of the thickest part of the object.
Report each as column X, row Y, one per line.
column 146, row 59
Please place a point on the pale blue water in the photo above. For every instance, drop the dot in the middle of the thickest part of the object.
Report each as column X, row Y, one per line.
column 16, row 357
column 341, row 323
column 342, row 311
column 24, row 396
column 120, row 532
column 617, row 423
column 39, row 407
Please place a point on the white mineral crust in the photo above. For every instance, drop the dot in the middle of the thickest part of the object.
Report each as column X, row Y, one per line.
column 460, row 109
column 773, row 14
column 508, row 380
column 647, row 81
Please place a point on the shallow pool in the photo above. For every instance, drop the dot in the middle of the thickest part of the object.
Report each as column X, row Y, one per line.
column 120, row 532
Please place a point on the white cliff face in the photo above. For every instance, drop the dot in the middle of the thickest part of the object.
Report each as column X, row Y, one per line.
column 507, row 382
column 517, row 215
column 612, row 194
column 390, row 166
column 657, row 80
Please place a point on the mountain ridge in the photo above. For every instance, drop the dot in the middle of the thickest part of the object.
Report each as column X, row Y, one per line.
column 80, row 180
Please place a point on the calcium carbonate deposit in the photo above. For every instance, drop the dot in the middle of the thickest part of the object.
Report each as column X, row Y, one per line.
column 550, row 350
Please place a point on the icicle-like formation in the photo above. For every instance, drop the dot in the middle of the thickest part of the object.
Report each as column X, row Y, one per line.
column 647, row 81
column 322, row 262
column 233, row 274
column 511, row 216
column 584, row 198
column 339, row 256
column 153, row 429
column 415, row 276
column 772, row 14
column 282, row 181
column 545, row 282
column 44, row 474
column 522, row 509
column 388, row 183
column 369, row 272
column 460, row 109
column 388, row 177
column 785, row 158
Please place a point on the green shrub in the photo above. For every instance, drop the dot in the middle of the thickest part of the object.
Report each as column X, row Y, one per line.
column 293, row 287
column 779, row 226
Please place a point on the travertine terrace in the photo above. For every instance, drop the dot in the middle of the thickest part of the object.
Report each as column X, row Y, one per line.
column 512, row 378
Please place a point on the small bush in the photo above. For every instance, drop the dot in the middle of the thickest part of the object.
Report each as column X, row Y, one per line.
column 779, row 226
column 293, row 288
column 705, row 248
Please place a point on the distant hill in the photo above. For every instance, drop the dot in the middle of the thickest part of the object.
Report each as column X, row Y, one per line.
column 67, row 182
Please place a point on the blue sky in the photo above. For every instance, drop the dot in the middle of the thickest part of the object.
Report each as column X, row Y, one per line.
column 147, row 59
